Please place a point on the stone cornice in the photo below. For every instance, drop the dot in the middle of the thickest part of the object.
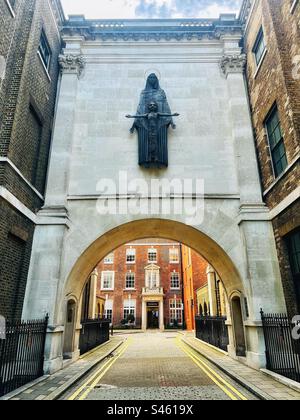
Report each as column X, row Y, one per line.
column 233, row 64
column 71, row 63
column 152, row 30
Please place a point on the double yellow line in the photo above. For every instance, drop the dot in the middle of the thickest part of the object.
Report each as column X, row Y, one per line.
column 226, row 387
column 85, row 389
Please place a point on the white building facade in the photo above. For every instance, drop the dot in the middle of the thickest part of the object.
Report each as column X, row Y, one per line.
column 104, row 69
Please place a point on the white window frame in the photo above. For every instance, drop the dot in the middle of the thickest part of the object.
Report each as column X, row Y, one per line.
column 173, row 251
column 152, row 251
column 109, row 259
column 179, row 281
column 130, row 252
column 130, row 306
column 109, row 306
column 152, row 278
column 113, row 280
column 130, row 274
column 176, row 308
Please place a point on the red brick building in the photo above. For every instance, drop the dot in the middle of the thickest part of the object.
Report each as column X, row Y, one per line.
column 142, row 284
column 272, row 44
column 194, row 277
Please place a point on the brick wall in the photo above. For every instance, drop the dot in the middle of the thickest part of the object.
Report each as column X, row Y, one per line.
column 277, row 81
column 27, row 103
column 16, row 235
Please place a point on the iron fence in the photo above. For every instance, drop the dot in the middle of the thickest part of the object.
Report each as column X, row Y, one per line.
column 94, row 332
column 213, row 330
column 22, row 354
column 282, row 350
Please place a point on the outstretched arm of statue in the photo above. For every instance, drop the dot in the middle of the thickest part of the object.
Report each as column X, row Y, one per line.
column 137, row 116
column 134, row 117
column 168, row 115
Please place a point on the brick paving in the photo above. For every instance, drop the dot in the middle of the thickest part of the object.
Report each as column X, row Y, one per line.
column 154, row 368
column 52, row 384
column 258, row 381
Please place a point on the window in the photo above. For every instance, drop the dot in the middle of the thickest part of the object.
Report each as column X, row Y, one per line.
column 175, row 281
column 276, row 142
column 176, row 311
column 174, row 256
column 152, row 277
column 108, row 310
column 152, row 255
column 44, row 51
column 259, row 47
column 129, row 308
column 107, row 280
column 130, row 256
column 109, row 259
column 294, row 251
column 130, row 281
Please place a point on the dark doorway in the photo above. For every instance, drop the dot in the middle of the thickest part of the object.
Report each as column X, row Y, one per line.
column 153, row 318
column 238, row 323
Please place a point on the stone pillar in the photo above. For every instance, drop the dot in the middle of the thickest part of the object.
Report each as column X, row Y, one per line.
column 93, row 295
column 211, row 281
column 262, row 273
column 161, row 315
column 44, row 282
column 144, row 315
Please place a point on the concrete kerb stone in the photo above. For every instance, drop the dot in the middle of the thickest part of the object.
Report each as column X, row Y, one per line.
column 250, row 387
column 62, row 389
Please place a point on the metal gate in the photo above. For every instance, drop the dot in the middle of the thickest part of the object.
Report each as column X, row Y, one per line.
column 94, row 332
column 213, row 330
column 282, row 350
column 22, row 354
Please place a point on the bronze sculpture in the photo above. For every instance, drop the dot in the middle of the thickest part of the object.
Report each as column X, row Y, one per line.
column 152, row 123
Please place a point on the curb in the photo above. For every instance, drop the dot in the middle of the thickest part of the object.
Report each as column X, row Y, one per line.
column 62, row 389
column 241, row 381
column 295, row 386
column 24, row 388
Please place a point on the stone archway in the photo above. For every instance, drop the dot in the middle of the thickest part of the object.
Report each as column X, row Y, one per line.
column 149, row 228
column 142, row 229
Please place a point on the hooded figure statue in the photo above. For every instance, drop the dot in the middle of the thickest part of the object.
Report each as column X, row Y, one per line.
column 152, row 122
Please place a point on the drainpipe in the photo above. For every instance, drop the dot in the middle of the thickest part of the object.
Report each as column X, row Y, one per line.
column 182, row 287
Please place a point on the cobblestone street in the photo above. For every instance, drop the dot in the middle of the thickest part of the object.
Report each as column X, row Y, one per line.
column 157, row 366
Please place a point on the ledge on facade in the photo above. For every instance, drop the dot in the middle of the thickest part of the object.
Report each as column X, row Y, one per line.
column 152, row 29
column 158, row 291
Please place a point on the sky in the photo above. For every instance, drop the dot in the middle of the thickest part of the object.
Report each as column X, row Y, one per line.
column 142, row 9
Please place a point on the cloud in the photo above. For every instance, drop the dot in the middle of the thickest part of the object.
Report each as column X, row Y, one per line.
column 185, row 8
column 122, row 9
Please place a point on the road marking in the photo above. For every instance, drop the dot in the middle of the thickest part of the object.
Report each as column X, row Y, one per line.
column 226, row 387
column 93, row 381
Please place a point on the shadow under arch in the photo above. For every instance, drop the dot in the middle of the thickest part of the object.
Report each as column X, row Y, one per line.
column 152, row 228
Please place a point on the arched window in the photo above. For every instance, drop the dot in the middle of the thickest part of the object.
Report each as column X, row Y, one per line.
column 152, row 277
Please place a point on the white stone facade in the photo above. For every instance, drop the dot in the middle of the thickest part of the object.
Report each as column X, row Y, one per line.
column 101, row 83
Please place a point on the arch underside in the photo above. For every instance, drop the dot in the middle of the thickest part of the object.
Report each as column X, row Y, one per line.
column 152, row 228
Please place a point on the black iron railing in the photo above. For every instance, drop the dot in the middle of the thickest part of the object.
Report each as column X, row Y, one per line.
column 282, row 349
column 213, row 330
column 94, row 332
column 22, row 354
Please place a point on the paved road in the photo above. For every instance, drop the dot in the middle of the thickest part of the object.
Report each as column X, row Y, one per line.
column 157, row 366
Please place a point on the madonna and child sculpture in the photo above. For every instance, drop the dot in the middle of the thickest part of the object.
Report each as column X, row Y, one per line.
column 152, row 122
